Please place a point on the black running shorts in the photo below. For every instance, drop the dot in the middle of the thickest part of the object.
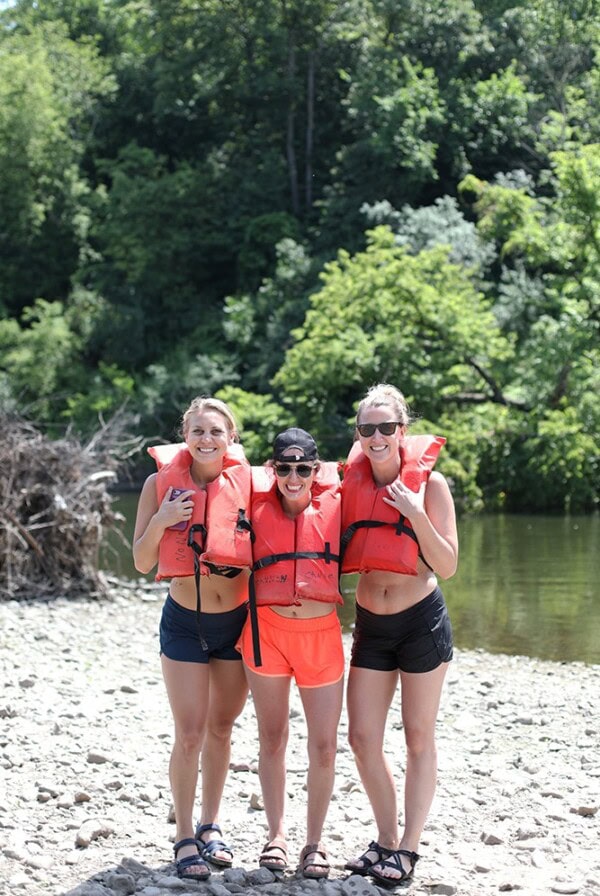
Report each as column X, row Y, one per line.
column 418, row 639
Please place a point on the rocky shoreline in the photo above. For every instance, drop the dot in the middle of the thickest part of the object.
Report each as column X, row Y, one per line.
column 85, row 736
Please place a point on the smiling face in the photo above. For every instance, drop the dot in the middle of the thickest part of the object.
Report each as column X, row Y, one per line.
column 295, row 490
column 382, row 450
column 207, row 437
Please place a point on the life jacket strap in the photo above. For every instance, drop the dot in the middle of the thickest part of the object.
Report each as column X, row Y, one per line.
column 400, row 528
column 263, row 563
column 254, row 620
column 198, row 550
column 326, row 555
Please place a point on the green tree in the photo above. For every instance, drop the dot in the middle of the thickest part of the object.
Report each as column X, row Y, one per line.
column 259, row 325
column 260, row 418
column 385, row 315
column 556, row 240
column 48, row 89
column 42, row 372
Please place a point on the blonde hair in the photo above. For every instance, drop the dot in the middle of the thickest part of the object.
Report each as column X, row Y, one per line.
column 206, row 403
column 384, row 394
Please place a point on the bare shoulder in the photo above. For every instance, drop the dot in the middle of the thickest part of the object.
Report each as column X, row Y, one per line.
column 150, row 483
column 439, row 503
column 437, row 484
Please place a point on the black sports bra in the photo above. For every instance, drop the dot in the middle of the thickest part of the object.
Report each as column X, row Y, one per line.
column 229, row 572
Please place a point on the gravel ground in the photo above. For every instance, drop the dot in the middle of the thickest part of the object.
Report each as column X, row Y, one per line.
column 85, row 737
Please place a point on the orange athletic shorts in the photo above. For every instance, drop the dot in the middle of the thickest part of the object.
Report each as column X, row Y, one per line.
column 310, row 650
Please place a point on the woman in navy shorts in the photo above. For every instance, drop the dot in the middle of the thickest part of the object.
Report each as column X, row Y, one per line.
column 399, row 533
column 179, row 507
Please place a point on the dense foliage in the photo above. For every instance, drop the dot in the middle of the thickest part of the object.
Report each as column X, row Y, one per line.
column 286, row 201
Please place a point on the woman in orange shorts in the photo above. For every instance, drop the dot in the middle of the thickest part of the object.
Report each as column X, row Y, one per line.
column 294, row 588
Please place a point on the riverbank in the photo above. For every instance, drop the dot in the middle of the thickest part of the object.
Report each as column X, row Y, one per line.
column 85, row 737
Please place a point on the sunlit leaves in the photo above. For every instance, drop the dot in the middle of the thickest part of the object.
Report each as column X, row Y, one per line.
column 385, row 314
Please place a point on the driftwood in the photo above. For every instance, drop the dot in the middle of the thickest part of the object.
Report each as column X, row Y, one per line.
column 55, row 508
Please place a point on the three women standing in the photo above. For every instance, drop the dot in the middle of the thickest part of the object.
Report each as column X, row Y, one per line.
column 398, row 530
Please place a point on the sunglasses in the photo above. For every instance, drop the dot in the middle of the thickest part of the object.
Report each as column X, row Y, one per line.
column 386, row 429
column 303, row 470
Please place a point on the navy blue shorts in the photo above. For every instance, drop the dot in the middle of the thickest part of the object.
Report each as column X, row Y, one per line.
column 418, row 639
column 180, row 640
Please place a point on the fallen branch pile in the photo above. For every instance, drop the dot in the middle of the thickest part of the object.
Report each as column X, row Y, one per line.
column 55, row 507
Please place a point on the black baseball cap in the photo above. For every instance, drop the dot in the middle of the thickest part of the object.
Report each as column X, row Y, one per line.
column 302, row 441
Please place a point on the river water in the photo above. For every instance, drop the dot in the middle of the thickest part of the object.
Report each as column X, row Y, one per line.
column 526, row 585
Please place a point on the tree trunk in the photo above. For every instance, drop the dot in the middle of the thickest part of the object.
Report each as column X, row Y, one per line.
column 310, row 122
column 291, row 124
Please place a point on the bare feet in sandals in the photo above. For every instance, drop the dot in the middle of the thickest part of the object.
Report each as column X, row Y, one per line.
column 212, row 848
column 314, row 862
column 373, row 855
column 189, row 864
column 274, row 855
column 398, row 867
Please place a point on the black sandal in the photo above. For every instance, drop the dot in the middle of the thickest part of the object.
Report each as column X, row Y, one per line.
column 189, row 861
column 382, row 853
column 395, row 862
column 208, row 848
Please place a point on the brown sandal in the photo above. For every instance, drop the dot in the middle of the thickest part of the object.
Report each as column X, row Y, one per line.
column 267, row 859
column 319, row 868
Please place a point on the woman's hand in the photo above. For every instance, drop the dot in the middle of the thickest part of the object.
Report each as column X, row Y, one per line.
column 176, row 509
column 431, row 514
column 408, row 503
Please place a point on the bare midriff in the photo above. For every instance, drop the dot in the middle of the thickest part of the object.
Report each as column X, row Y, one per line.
column 385, row 593
column 218, row 593
column 306, row 609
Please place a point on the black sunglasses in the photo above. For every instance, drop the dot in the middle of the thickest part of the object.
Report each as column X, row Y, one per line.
column 386, row 429
column 303, row 470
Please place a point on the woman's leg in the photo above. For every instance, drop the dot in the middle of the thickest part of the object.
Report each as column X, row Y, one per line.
column 370, row 694
column 322, row 708
column 187, row 689
column 271, row 696
column 421, row 694
column 227, row 696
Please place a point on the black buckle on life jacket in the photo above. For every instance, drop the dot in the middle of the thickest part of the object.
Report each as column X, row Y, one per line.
column 243, row 524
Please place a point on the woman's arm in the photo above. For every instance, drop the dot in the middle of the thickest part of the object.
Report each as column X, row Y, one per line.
column 432, row 515
column 148, row 528
column 152, row 519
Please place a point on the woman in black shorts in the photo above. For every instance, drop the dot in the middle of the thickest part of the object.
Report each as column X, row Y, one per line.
column 399, row 534
column 186, row 524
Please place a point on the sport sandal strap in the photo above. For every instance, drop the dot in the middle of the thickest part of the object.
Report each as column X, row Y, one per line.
column 203, row 828
column 187, row 841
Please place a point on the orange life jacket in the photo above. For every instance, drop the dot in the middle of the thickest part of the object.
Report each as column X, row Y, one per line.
column 374, row 534
column 294, row 559
column 219, row 530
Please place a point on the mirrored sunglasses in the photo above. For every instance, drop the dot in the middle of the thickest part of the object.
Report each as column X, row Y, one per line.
column 303, row 470
column 386, row 429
